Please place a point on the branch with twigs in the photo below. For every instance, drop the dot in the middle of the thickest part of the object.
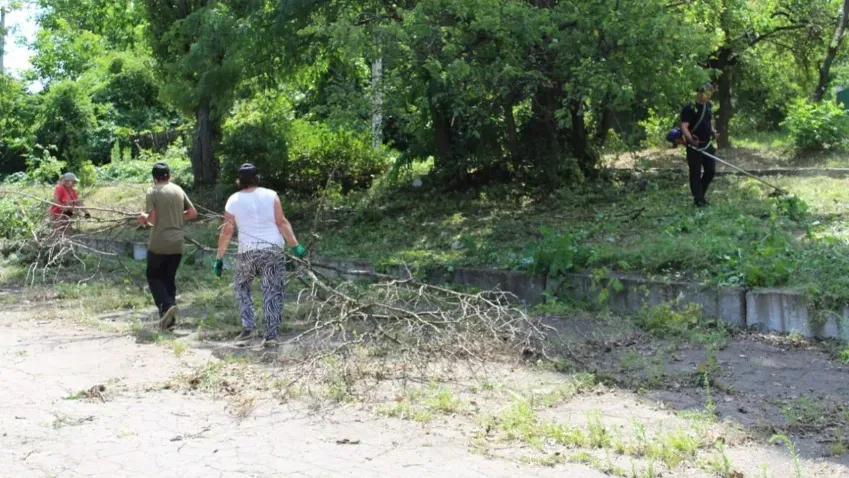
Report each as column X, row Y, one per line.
column 416, row 322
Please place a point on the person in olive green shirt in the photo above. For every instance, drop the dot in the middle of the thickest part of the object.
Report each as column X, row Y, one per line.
column 168, row 207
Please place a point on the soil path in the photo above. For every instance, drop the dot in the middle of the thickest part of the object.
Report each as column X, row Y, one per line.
column 142, row 430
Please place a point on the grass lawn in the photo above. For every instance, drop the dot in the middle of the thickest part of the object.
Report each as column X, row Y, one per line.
column 644, row 224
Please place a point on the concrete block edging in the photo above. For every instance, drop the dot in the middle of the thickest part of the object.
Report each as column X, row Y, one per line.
column 766, row 310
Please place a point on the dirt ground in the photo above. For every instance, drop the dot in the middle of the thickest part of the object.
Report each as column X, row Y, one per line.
column 82, row 401
column 674, row 158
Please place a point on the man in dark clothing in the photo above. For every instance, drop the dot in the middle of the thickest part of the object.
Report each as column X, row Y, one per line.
column 697, row 127
column 167, row 208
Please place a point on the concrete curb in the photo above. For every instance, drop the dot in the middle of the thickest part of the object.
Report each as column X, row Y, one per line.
column 766, row 310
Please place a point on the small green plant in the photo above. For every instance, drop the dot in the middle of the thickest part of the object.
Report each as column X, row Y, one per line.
column 803, row 411
column 606, row 285
column 667, row 321
column 87, row 173
column 598, row 434
column 649, row 472
column 519, row 422
column 844, row 355
column 579, row 383
column 720, row 464
column 707, row 371
column 444, row 401
column 782, row 439
column 640, row 444
column 710, row 403
column 337, row 381
column 838, row 448
column 558, row 253
column 405, row 410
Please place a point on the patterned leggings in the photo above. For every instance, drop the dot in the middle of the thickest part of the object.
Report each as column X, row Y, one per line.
column 270, row 266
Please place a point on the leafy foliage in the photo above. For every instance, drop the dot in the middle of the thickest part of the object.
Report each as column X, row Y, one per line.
column 16, row 117
column 139, row 170
column 44, row 168
column 815, row 126
column 257, row 133
column 319, row 154
column 18, row 217
column 67, row 120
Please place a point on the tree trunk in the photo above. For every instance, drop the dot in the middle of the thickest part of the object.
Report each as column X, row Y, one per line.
column 579, row 141
column 541, row 136
column 724, row 63
column 512, row 135
column 831, row 53
column 2, row 39
column 376, row 103
column 605, row 122
column 726, row 108
column 442, row 137
column 204, row 164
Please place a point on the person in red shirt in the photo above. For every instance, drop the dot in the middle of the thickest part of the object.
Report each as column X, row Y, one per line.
column 65, row 204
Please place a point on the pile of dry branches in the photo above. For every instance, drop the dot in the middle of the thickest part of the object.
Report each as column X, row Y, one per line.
column 409, row 319
column 401, row 317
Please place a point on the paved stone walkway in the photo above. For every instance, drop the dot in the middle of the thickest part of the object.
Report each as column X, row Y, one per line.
column 142, row 430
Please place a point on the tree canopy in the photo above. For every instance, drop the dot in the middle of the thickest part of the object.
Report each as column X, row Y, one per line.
column 528, row 91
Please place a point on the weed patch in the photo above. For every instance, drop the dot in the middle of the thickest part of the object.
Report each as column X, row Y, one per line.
column 520, row 422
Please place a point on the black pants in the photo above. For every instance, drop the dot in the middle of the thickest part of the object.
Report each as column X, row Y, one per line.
column 696, row 161
column 161, row 278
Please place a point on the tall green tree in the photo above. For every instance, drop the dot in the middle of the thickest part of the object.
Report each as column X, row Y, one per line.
column 199, row 46
column 743, row 25
column 6, row 7
column 74, row 34
column 67, row 120
column 831, row 51
column 17, row 111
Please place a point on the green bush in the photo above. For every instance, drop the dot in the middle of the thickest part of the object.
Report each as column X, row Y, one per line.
column 317, row 154
column 670, row 320
column 263, row 144
column 139, row 170
column 816, row 126
column 87, row 174
column 559, row 253
column 45, row 168
column 68, row 121
column 297, row 156
column 17, row 218
column 17, row 178
column 657, row 127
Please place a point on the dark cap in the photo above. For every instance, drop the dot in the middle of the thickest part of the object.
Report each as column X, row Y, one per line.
column 248, row 168
column 707, row 86
column 248, row 176
column 161, row 170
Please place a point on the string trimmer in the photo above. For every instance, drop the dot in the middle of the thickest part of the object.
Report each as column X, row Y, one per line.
column 778, row 191
column 676, row 137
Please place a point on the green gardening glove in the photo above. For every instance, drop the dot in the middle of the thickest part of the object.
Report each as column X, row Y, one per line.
column 217, row 267
column 300, row 251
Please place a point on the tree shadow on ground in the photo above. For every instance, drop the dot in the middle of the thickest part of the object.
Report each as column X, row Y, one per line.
column 766, row 384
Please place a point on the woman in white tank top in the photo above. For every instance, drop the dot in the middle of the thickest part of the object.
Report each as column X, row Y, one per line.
column 257, row 214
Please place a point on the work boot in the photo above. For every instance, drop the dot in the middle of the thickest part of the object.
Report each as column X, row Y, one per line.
column 169, row 318
column 245, row 336
column 270, row 343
